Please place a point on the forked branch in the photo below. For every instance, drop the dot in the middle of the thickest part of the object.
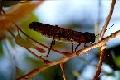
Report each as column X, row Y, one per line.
column 103, row 51
column 66, row 58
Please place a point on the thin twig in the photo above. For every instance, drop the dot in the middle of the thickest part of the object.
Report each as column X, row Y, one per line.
column 102, row 58
column 11, row 33
column 62, row 68
column 102, row 48
column 39, row 57
column 65, row 58
column 107, row 19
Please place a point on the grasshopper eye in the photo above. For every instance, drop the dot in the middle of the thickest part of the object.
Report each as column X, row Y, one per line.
column 34, row 25
column 31, row 26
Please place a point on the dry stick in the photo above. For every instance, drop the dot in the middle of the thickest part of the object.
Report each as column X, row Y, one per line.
column 102, row 53
column 62, row 68
column 66, row 58
column 108, row 18
column 102, row 58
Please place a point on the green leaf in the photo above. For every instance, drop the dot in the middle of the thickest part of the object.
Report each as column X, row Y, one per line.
column 110, row 74
column 34, row 62
column 26, row 43
column 113, row 57
column 53, row 73
column 117, row 61
column 76, row 73
column 59, row 45
column 24, row 24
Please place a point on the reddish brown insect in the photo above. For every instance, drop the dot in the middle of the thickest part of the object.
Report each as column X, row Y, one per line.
column 55, row 32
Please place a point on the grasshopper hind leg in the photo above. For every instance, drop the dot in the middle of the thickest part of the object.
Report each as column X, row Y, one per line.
column 77, row 46
column 51, row 45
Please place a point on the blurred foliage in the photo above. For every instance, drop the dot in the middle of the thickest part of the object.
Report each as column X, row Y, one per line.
column 116, row 55
column 34, row 62
column 52, row 73
column 2, row 35
column 1, row 49
column 19, row 72
column 6, row 3
column 117, row 61
column 26, row 43
column 74, row 26
column 76, row 73
column 24, row 24
column 59, row 45
column 113, row 57
column 11, row 41
column 15, row 13
column 110, row 74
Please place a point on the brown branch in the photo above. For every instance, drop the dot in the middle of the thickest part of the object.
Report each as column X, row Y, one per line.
column 101, row 60
column 66, row 58
column 107, row 19
column 42, row 68
column 62, row 68
column 103, row 51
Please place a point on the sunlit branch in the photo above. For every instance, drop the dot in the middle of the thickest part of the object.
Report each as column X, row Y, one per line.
column 108, row 19
column 102, row 58
column 102, row 48
column 63, row 72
